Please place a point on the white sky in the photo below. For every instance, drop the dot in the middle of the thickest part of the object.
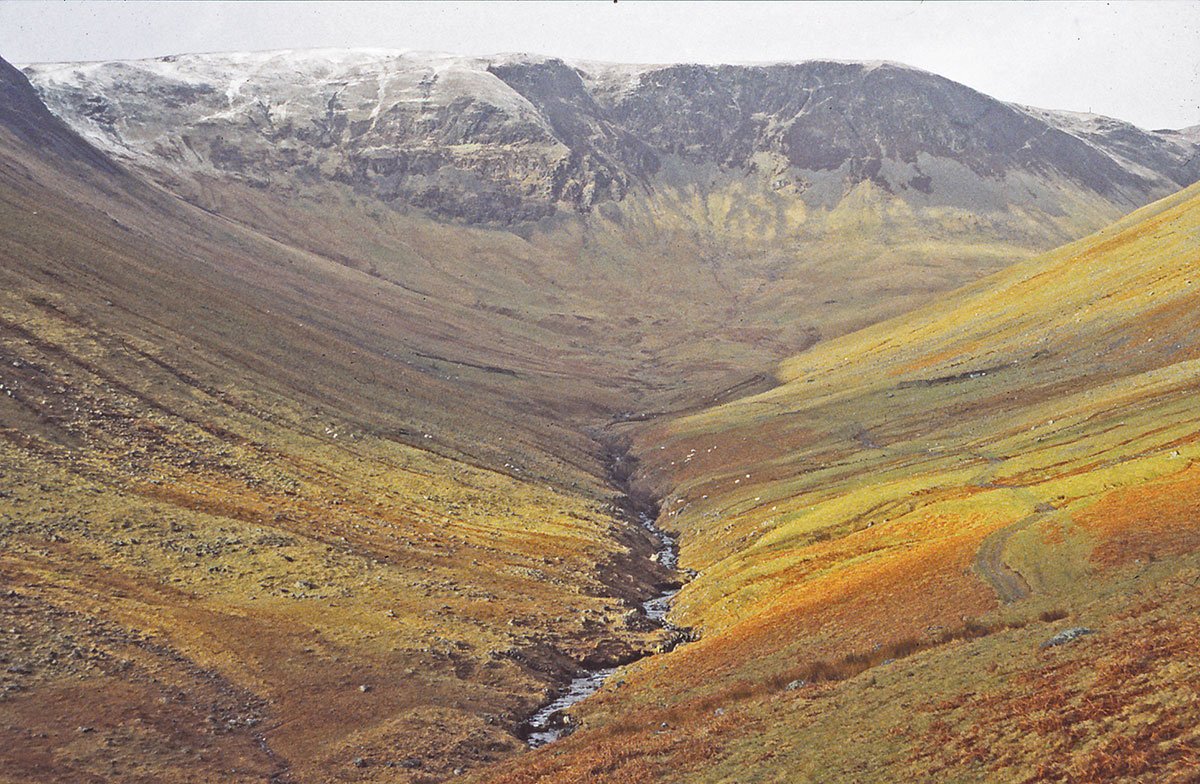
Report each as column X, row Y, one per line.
column 1139, row 61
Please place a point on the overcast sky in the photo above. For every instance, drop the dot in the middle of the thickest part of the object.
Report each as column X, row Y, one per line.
column 1139, row 61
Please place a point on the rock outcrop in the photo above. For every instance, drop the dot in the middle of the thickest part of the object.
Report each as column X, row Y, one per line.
column 514, row 138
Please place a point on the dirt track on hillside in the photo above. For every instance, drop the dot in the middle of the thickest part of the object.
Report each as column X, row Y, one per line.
column 1008, row 583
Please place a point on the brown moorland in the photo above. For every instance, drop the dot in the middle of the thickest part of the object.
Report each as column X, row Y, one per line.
column 273, row 514
column 252, row 527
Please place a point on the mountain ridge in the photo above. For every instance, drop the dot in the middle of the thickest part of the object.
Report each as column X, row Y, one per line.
column 617, row 129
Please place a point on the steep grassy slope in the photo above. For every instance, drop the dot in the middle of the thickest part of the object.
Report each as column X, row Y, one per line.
column 262, row 514
column 885, row 541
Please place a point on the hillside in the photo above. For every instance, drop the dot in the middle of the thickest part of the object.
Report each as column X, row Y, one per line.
column 261, row 514
column 886, row 543
column 624, row 210
column 334, row 385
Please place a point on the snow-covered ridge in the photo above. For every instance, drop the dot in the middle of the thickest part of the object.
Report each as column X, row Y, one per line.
column 286, row 71
column 330, row 65
column 1121, row 141
column 358, row 55
column 515, row 136
column 334, row 63
column 314, row 64
column 1072, row 122
column 151, row 99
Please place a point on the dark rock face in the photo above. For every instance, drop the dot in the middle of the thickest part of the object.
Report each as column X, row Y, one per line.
column 511, row 139
column 604, row 158
column 824, row 116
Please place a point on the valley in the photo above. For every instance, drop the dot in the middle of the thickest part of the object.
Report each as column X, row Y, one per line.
column 1029, row 471
column 361, row 410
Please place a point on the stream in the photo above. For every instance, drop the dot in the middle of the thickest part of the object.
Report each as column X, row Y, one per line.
column 550, row 723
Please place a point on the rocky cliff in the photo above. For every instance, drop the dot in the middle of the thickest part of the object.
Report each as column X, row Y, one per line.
column 513, row 138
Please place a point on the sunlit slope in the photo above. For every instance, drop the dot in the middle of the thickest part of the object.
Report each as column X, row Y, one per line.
column 1045, row 373
column 897, row 529
column 262, row 514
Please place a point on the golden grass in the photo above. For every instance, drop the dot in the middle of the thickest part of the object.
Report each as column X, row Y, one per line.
column 835, row 520
column 268, row 507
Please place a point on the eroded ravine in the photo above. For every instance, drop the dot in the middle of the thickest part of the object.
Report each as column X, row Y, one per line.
column 552, row 721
